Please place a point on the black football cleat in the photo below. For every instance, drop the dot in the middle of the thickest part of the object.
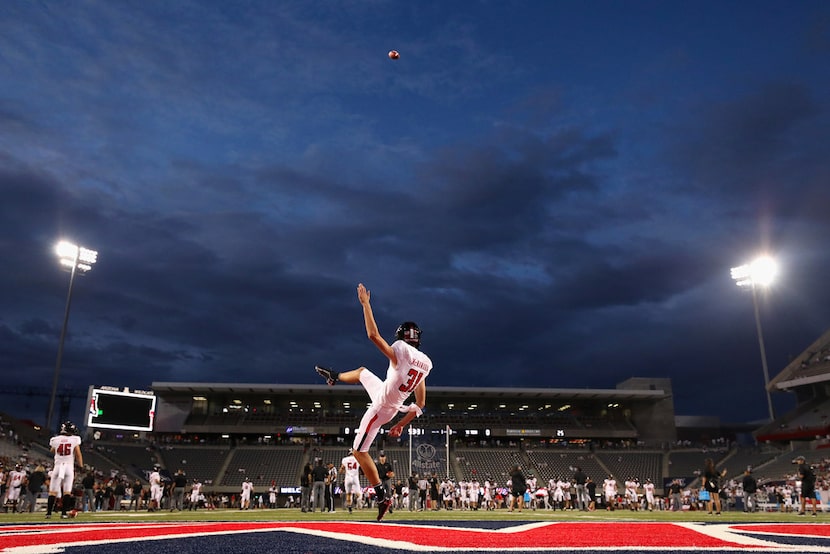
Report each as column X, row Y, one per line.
column 383, row 507
column 327, row 374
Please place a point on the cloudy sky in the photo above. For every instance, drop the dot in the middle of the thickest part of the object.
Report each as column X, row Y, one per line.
column 555, row 191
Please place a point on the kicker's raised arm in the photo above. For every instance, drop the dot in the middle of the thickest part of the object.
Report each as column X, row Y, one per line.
column 364, row 296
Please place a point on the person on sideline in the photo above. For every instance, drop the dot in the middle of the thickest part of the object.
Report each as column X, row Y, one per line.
column 306, row 480
column 711, row 482
column 318, row 489
column 609, row 487
column 351, row 484
column 33, row 486
column 750, row 486
column 179, row 484
column 648, row 489
column 245, row 495
column 808, row 485
column 385, row 473
column 15, row 484
column 156, row 489
column 580, row 478
column 331, row 483
column 66, row 446
column 518, row 488
column 135, row 495
column 408, row 369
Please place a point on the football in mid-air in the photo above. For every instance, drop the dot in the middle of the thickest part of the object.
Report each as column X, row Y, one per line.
column 393, row 55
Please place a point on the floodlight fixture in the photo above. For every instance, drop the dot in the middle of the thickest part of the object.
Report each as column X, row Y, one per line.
column 75, row 258
column 761, row 272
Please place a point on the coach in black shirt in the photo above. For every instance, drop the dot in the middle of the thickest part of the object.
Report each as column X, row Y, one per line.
column 386, row 474
column 33, row 485
column 675, row 492
column 750, row 486
column 808, row 485
column 305, row 487
column 179, row 483
column 318, row 475
column 591, row 489
column 580, row 478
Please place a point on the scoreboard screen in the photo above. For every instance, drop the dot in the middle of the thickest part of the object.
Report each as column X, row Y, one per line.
column 113, row 409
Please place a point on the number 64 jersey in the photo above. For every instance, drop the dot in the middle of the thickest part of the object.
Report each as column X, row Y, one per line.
column 412, row 368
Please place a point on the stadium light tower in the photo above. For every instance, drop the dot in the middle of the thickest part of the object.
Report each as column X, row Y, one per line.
column 759, row 273
column 75, row 258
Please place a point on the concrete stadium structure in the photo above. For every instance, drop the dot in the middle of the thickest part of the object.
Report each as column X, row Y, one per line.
column 636, row 410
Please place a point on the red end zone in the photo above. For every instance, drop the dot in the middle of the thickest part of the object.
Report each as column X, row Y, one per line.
column 811, row 530
column 558, row 536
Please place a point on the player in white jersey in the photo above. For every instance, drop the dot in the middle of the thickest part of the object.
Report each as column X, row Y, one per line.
column 408, row 369
column 566, row 488
column 531, row 488
column 648, row 487
column 463, row 490
column 272, row 496
column 488, row 495
column 156, row 489
column 195, row 491
column 14, row 484
column 558, row 496
column 245, row 497
column 351, row 484
column 610, row 488
column 475, row 494
column 631, row 496
column 787, row 492
column 67, row 450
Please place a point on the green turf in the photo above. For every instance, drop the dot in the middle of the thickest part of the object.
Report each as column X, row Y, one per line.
column 406, row 516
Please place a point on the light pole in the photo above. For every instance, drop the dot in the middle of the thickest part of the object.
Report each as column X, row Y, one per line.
column 76, row 258
column 760, row 272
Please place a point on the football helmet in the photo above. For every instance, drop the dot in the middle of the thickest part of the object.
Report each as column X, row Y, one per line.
column 68, row 428
column 410, row 333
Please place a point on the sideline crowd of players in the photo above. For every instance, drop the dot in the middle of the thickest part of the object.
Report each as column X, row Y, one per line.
column 573, row 492
column 325, row 487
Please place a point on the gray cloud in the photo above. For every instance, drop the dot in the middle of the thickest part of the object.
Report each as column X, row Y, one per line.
column 241, row 171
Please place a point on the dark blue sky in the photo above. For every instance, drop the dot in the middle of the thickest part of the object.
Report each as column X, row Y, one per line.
column 555, row 191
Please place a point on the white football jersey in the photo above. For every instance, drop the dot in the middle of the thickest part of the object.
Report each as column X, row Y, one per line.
column 351, row 467
column 16, row 478
column 413, row 367
column 64, row 446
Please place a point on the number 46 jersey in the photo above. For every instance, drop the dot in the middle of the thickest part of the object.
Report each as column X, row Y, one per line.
column 64, row 446
column 412, row 368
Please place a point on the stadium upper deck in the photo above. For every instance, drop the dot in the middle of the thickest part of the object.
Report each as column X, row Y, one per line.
column 808, row 377
column 638, row 409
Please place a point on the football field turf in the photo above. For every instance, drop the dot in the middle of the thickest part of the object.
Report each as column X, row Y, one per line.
column 285, row 530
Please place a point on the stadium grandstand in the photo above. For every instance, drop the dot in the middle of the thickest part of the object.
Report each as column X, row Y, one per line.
column 808, row 378
column 222, row 433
